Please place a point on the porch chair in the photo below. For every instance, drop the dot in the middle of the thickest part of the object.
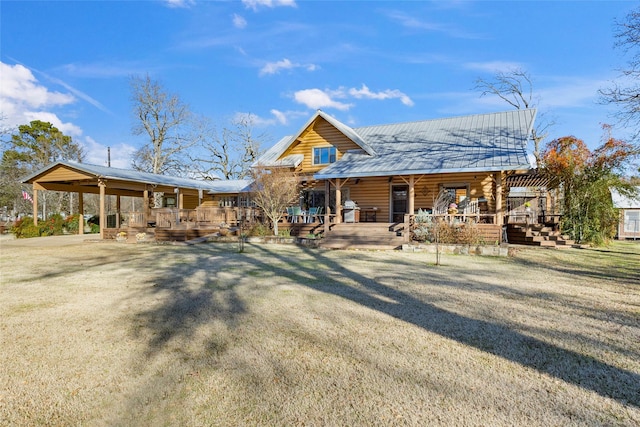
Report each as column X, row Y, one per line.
column 312, row 215
column 297, row 213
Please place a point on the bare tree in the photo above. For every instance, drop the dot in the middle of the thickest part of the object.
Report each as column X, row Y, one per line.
column 515, row 87
column 229, row 153
column 626, row 94
column 440, row 204
column 166, row 120
column 273, row 190
column 217, row 155
column 250, row 144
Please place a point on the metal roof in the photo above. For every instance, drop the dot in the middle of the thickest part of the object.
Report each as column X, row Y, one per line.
column 621, row 201
column 482, row 142
column 104, row 172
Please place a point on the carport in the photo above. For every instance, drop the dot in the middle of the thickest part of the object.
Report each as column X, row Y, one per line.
column 92, row 179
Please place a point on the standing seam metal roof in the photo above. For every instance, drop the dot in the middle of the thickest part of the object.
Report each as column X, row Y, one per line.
column 483, row 142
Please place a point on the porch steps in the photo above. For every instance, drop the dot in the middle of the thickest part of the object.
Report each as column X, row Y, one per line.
column 537, row 235
column 364, row 236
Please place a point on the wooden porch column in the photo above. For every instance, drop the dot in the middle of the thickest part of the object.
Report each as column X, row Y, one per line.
column 327, row 192
column 180, row 200
column 35, row 206
column 145, row 207
column 338, row 201
column 412, row 195
column 81, row 211
column 103, row 220
column 499, row 212
column 118, row 211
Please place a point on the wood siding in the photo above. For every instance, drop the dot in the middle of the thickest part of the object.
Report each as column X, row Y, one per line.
column 376, row 192
column 61, row 173
column 319, row 134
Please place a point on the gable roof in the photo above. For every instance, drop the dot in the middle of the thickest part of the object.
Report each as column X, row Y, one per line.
column 104, row 172
column 482, row 142
column 272, row 156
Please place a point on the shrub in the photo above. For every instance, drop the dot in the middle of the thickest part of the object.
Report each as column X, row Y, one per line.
column 24, row 228
column 53, row 226
column 428, row 227
column 259, row 229
column 72, row 222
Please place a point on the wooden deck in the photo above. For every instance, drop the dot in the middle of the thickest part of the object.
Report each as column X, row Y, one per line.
column 365, row 235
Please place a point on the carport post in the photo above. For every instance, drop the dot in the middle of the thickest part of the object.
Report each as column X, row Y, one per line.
column 103, row 220
column 81, row 210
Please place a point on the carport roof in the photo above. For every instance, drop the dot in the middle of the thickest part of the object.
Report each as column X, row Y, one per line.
column 127, row 175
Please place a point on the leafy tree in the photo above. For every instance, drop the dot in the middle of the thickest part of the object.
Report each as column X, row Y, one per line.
column 586, row 178
column 33, row 147
column 273, row 190
column 515, row 87
column 167, row 121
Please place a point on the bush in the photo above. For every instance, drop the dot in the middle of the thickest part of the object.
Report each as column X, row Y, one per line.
column 427, row 228
column 259, row 229
column 53, row 226
column 72, row 222
column 24, row 228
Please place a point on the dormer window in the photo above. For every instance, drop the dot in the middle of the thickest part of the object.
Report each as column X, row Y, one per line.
column 324, row 155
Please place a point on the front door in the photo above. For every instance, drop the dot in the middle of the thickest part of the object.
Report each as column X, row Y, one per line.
column 399, row 202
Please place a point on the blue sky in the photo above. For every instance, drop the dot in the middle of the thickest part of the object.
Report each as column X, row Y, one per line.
column 364, row 62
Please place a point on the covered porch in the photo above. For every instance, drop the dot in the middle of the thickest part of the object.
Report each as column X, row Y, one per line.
column 186, row 203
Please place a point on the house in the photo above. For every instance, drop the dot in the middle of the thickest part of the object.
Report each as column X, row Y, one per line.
column 374, row 174
column 393, row 170
column 629, row 224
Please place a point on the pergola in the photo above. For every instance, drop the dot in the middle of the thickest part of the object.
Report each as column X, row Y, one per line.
column 82, row 178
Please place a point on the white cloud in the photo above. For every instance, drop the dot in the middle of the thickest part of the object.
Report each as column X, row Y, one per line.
column 285, row 64
column 23, row 99
column 65, row 127
column 316, row 98
column 494, row 66
column 239, row 21
column 364, row 92
column 96, row 153
column 175, row 4
column 256, row 4
column 280, row 116
column 20, row 86
column 411, row 22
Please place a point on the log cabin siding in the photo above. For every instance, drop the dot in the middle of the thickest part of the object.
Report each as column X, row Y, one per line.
column 376, row 191
column 190, row 201
column 319, row 134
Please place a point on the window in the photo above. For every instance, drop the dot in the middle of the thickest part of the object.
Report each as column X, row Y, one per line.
column 169, row 202
column 457, row 193
column 324, row 155
column 632, row 221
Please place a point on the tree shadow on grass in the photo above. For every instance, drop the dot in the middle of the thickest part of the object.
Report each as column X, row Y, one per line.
column 567, row 365
column 191, row 295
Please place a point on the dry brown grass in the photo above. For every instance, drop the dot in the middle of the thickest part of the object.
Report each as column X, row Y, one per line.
column 113, row 334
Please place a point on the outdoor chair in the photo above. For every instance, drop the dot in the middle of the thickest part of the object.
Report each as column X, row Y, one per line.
column 294, row 213
column 311, row 214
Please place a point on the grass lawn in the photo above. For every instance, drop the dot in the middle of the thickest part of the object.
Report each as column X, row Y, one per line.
column 123, row 334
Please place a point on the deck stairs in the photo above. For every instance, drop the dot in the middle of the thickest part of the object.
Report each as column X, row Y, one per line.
column 537, row 235
column 364, row 236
